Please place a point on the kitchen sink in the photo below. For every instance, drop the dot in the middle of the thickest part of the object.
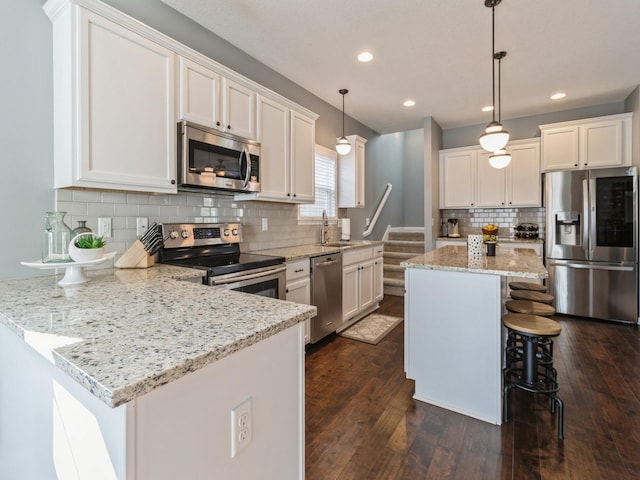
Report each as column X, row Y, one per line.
column 336, row 244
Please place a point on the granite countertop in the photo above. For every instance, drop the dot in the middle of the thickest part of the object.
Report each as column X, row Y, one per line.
column 500, row 239
column 316, row 249
column 127, row 332
column 523, row 262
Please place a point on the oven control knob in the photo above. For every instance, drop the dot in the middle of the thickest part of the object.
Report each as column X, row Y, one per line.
column 184, row 234
column 226, row 232
column 234, row 232
column 173, row 234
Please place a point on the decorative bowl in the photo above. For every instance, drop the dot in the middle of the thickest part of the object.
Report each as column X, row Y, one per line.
column 84, row 254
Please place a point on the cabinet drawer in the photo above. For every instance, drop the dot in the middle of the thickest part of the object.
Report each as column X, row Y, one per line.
column 357, row 255
column 298, row 269
column 378, row 251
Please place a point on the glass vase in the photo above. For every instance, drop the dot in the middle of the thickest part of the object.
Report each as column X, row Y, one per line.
column 55, row 238
column 81, row 228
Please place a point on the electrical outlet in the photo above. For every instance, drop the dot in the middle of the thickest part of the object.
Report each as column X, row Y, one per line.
column 265, row 224
column 142, row 224
column 241, row 427
column 104, row 227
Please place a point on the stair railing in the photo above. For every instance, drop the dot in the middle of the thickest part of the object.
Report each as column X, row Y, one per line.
column 376, row 215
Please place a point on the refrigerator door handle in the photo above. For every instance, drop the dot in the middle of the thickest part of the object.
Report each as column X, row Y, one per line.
column 586, row 220
column 586, row 266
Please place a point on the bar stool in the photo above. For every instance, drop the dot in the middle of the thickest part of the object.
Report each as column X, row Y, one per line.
column 534, row 287
column 529, row 377
column 514, row 344
column 533, row 296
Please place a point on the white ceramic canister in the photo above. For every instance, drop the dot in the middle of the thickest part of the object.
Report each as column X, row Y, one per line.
column 474, row 245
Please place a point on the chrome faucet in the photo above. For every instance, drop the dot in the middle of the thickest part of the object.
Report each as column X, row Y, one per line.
column 325, row 227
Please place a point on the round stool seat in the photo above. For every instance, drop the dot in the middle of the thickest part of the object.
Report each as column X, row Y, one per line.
column 534, row 287
column 529, row 307
column 532, row 324
column 533, row 296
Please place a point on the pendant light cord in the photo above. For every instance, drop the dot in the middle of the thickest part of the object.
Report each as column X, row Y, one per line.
column 493, row 60
column 343, row 114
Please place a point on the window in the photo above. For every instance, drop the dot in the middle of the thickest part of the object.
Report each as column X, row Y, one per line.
column 325, row 179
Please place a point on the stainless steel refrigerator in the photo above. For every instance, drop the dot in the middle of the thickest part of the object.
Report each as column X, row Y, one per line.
column 592, row 242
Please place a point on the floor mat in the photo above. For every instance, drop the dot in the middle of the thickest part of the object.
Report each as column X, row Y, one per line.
column 372, row 328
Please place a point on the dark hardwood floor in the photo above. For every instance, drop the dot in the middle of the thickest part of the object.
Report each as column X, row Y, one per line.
column 362, row 422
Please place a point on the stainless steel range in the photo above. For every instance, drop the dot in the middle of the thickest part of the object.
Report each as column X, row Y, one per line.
column 214, row 248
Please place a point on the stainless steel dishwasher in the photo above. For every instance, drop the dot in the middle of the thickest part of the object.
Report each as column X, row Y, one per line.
column 326, row 294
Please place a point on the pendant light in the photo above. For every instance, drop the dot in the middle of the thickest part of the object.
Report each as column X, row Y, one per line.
column 499, row 159
column 495, row 137
column 343, row 146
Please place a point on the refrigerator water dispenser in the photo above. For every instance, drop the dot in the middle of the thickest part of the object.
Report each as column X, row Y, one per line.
column 568, row 228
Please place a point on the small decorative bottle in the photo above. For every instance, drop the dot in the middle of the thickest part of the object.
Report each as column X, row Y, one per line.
column 81, row 228
column 55, row 238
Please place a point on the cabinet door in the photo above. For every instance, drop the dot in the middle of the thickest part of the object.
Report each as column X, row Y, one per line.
column 302, row 158
column 299, row 291
column 524, row 185
column 378, row 279
column 560, row 148
column 490, row 183
column 366, row 284
column 238, row 109
column 350, row 301
column 601, row 144
column 360, row 181
column 457, row 179
column 199, row 94
column 127, row 131
column 273, row 135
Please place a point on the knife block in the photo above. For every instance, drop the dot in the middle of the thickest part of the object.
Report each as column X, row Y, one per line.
column 135, row 257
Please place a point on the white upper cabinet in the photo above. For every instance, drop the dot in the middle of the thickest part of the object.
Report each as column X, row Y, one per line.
column 120, row 89
column 591, row 143
column 287, row 159
column 199, row 94
column 238, row 109
column 467, row 180
column 114, row 92
column 351, row 179
column 458, row 178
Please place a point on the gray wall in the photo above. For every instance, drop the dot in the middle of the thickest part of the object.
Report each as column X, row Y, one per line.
column 527, row 127
column 413, row 186
column 432, row 146
column 26, row 137
column 632, row 104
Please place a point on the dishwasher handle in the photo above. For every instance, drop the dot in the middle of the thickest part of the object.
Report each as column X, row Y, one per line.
column 326, row 263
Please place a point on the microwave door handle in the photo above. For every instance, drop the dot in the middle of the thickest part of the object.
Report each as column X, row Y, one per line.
column 248, row 174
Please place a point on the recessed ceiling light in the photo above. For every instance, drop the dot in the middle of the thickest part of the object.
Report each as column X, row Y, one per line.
column 558, row 96
column 365, row 57
column 488, row 108
column 409, row 103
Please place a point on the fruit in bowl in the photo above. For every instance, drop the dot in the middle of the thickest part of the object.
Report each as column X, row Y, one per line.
column 490, row 233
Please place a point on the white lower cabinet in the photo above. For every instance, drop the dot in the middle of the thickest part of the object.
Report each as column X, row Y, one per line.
column 378, row 273
column 359, row 289
column 299, row 288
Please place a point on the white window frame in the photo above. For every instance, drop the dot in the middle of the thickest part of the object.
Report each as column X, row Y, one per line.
column 330, row 153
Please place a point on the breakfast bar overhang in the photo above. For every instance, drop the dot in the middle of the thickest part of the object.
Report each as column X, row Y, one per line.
column 453, row 332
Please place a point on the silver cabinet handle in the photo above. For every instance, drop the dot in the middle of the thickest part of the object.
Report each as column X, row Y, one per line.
column 617, row 268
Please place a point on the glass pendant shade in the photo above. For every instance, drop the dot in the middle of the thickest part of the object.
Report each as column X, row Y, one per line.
column 494, row 137
column 499, row 159
column 343, row 146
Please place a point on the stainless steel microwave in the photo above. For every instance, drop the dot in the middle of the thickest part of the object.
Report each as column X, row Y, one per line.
column 209, row 159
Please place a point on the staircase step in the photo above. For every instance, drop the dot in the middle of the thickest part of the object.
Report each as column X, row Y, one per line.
column 394, row 258
column 396, row 291
column 394, row 275
column 401, row 235
column 394, row 282
column 404, row 246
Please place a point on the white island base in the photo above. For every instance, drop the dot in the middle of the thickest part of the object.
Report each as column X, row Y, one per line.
column 453, row 341
column 54, row 428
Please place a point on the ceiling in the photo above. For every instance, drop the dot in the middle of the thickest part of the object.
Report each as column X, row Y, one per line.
column 437, row 52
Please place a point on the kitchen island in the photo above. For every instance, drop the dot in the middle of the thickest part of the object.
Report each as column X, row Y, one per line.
column 135, row 375
column 453, row 330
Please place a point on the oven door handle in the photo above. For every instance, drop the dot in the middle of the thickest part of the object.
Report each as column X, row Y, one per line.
column 249, row 276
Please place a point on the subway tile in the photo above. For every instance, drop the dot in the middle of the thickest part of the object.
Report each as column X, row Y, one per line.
column 126, row 210
column 137, row 198
column 114, row 197
column 63, row 195
column 86, row 196
column 72, row 208
column 149, row 210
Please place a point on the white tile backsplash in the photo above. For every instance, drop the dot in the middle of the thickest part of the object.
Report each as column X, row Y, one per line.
column 471, row 221
column 124, row 208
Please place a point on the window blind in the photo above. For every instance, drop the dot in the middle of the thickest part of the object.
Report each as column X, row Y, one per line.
column 325, row 182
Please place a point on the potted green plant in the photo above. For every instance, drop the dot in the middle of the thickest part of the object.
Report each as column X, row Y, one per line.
column 86, row 247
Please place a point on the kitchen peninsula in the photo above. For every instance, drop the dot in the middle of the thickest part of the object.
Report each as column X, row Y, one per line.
column 453, row 330
column 135, row 375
